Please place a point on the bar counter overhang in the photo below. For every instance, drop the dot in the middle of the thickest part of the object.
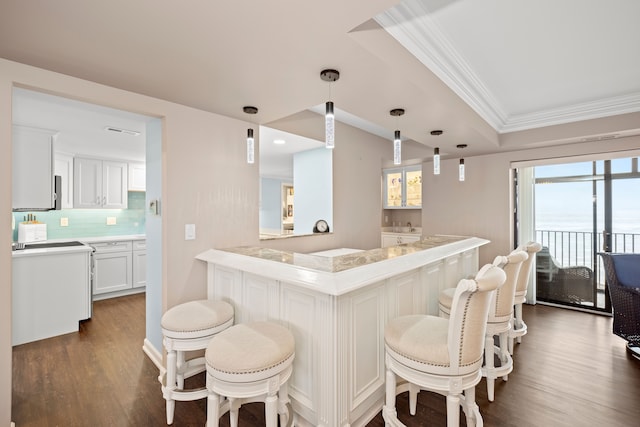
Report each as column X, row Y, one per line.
column 337, row 307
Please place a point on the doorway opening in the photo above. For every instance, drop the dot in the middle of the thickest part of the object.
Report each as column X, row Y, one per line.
column 580, row 209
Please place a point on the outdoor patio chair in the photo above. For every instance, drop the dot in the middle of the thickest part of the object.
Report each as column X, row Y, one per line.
column 623, row 281
column 562, row 284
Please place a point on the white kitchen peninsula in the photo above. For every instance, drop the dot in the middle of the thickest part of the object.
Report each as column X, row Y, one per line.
column 336, row 308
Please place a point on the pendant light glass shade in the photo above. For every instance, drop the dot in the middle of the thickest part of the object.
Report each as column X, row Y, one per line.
column 436, row 161
column 329, row 126
column 397, row 148
column 250, row 146
column 461, row 170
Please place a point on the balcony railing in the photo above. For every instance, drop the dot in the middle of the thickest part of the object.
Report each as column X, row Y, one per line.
column 577, row 248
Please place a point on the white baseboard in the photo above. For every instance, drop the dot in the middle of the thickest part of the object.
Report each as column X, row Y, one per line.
column 154, row 355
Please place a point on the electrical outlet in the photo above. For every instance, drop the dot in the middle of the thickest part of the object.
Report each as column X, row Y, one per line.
column 64, row 222
column 111, row 220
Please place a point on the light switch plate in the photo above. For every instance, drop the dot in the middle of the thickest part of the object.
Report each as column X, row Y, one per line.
column 64, row 222
column 189, row 232
column 111, row 220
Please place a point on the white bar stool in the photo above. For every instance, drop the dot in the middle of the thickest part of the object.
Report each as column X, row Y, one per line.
column 250, row 362
column 189, row 327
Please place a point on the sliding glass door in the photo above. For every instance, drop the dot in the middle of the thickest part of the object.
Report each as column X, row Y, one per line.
column 582, row 209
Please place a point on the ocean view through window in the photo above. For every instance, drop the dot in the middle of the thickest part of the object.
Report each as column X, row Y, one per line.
column 581, row 209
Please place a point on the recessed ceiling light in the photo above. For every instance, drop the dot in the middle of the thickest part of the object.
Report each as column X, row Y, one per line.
column 279, row 141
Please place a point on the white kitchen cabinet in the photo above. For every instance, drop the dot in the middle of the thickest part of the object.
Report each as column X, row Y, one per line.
column 137, row 176
column 51, row 293
column 139, row 263
column 64, row 168
column 402, row 187
column 32, row 160
column 99, row 184
column 393, row 239
column 113, row 268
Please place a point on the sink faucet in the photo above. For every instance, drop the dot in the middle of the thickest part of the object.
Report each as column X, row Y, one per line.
column 409, row 225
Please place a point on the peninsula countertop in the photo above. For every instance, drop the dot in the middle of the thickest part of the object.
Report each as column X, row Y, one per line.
column 337, row 275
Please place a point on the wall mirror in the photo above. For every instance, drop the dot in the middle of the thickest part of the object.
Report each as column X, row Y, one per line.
column 296, row 185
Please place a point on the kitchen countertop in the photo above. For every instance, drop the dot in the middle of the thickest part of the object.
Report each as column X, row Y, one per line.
column 337, row 275
column 46, row 251
column 402, row 230
column 63, row 249
column 111, row 238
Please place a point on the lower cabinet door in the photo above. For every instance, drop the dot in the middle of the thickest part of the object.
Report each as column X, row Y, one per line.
column 113, row 272
column 139, row 269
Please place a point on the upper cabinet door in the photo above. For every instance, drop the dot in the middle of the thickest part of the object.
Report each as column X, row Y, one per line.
column 33, row 183
column 403, row 188
column 114, row 185
column 393, row 194
column 87, row 183
column 99, row 184
column 137, row 176
column 413, row 186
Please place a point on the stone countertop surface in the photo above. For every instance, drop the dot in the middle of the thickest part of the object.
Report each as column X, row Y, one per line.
column 335, row 264
column 401, row 230
column 85, row 240
column 111, row 238
column 340, row 274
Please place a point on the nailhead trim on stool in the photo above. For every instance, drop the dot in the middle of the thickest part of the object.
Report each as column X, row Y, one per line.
column 246, row 363
column 189, row 327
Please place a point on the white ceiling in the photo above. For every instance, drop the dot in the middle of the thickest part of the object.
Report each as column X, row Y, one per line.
column 476, row 69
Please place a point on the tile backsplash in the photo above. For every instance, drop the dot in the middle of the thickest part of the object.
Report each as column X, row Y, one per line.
column 92, row 222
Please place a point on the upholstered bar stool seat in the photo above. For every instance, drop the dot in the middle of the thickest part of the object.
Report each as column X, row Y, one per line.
column 189, row 327
column 250, row 362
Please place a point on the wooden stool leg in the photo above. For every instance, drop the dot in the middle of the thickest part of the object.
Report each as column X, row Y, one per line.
column 271, row 410
column 284, row 405
column 413, row 398
column 389, row 412
column 170, row 385
column 234, row 408
column 489, row 364
column 453, row 410
column 504, row 352
column 213, row 409
column 519, row 322
column 180, row 370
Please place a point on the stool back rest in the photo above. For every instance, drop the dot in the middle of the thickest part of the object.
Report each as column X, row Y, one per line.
column 468, row 319
column 525, row 270
column 501, row 307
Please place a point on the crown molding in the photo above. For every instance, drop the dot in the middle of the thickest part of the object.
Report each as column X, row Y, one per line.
column 411, row 25
column 583, row 111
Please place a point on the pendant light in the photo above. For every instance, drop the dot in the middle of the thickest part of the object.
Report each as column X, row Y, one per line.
column 250, row 141
column 397, row 141
column 436, row 154
column 329, row 118
column 461, row 165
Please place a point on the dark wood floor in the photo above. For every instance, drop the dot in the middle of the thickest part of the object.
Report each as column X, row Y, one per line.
column 569, row 371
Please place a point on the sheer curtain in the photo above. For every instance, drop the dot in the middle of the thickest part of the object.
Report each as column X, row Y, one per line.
column 525, row 204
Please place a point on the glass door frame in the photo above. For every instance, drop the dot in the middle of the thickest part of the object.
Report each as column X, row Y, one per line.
column 600, row 237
